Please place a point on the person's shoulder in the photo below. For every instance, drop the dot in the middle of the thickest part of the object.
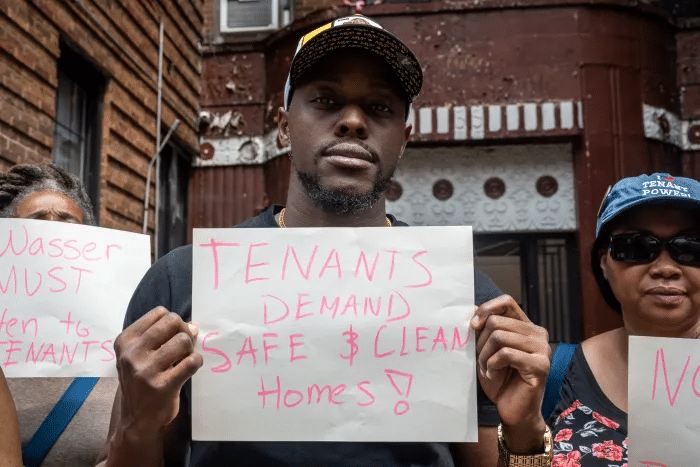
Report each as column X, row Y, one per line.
column 167, row 283
column 174, row 262
column 484, row 288
column 396, row 222
column 178, row 254
column 604, row 343
column 603, row 354
column 262, row 220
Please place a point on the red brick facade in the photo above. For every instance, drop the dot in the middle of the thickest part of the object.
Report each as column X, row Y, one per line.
column 121, row 39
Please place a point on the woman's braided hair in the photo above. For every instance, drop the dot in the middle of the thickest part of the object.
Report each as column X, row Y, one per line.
column 23, row 180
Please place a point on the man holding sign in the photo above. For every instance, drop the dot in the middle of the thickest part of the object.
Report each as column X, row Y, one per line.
column 348, row 94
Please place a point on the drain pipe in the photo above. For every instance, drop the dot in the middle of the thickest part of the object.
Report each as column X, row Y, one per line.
column 155, row 158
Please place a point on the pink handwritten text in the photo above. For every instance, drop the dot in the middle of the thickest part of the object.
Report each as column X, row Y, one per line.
column 312, row 394
column 259, row 263
column 394, row 307
column 57, row 353
column 660, row 365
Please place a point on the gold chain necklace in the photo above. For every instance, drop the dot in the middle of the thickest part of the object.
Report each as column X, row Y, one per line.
column 281, row 223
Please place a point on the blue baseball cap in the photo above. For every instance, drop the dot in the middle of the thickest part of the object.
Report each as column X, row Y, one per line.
column 647, row 189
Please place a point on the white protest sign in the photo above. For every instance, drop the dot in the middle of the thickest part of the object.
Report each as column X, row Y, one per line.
column 64, row 289
column 334, row 334
column 664, row 402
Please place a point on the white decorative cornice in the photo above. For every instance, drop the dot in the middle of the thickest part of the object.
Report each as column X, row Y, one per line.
column 241, row 150
column 495, row 121
column 444, row 123
column 663, row 125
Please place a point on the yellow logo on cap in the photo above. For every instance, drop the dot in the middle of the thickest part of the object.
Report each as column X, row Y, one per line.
column 357, row 21
column 314, row 33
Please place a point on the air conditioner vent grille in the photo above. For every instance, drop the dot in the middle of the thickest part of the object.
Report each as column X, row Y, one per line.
column 249, row 14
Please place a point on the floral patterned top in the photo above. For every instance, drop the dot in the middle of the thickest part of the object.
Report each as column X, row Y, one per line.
column 587, row 428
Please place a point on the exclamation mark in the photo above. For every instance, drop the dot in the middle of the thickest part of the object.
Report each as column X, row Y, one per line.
column 397, row 380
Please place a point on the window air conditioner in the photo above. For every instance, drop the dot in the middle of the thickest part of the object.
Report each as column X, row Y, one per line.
column 243, row 16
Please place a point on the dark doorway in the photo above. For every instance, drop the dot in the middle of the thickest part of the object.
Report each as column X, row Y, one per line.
column 172, row 211
column 541, row 272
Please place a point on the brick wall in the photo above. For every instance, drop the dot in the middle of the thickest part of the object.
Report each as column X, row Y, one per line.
column 120, row 38
column 210, row 16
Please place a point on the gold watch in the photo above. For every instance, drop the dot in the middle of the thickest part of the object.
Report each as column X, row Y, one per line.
column 526, row 460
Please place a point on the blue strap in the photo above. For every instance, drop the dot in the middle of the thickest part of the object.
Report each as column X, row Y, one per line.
column 557, row 370
column 56, row 421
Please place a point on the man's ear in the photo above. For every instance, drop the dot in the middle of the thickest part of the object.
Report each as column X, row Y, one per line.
column 282, row 128
column 406, row 135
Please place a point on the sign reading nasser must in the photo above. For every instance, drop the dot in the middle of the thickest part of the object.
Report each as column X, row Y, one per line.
column 64, row 289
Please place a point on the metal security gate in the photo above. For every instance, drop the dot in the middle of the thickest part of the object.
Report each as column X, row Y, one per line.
column 541, row 272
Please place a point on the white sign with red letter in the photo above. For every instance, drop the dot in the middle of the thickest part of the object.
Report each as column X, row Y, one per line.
column 334, row 334
column 664, row 402
column 64, row 289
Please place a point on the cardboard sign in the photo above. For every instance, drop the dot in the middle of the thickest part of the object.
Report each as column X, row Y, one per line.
column 64, row 289
column 334, row 334
column 664, row 402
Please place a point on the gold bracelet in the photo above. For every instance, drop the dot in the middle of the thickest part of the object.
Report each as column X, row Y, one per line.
column 526, row 460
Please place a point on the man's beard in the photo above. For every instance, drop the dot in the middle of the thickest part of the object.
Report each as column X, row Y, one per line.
column 341, row 201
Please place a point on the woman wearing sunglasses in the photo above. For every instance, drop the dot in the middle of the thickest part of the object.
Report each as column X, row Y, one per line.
column 646, row 261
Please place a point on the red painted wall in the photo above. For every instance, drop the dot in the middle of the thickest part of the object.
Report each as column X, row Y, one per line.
column 613, row 56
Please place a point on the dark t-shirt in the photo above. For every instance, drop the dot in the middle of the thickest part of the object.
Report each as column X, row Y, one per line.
column 587, row 428
column 169, row 283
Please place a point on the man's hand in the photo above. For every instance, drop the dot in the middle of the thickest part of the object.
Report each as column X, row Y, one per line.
column 513, row 357
column 155, row 357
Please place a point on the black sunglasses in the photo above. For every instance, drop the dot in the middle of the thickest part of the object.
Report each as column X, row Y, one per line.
column 640, row 248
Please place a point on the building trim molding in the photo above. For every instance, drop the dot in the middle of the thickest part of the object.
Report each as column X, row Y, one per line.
column 430, row 123
column 496, row 121
column 241, row 150
column 663, row 125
